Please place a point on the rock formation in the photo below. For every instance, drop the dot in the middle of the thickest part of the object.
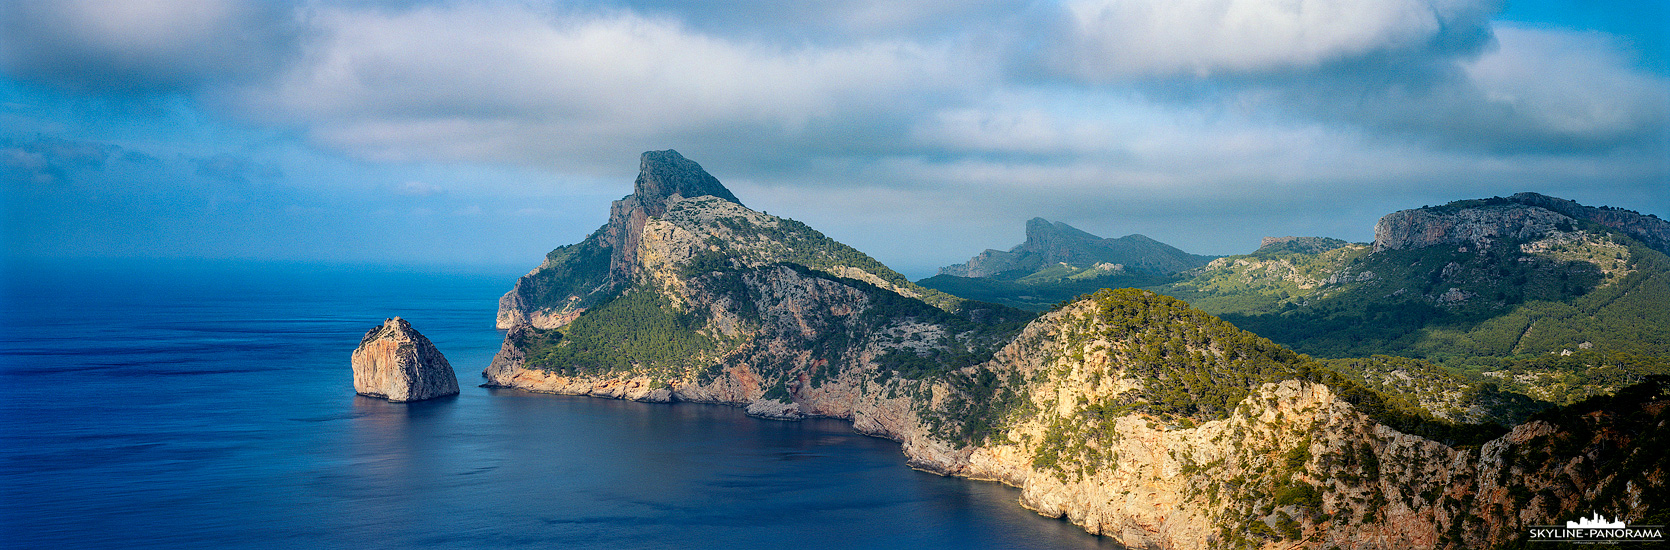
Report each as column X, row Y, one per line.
column 1049, row 243
column 1522, row 216
column 1302, row 245
column 1475, row 227
column 1130, row 414
column 1647, row 228
column 394, row 362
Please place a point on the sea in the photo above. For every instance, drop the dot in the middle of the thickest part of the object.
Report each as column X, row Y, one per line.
column 198, row 404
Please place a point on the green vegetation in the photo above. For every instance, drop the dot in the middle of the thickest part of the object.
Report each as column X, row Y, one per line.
column 579, row 270
column 1273, row 280
column 1555, row 319
column 1566, row 379
column 1192, row 368
column 783, row 240
column 979, row 404
column 1582, row 287
column 1627, row 430
column 1191, row 364
column 640, row 328
column 1167, row 347
column 1300, row 494
column 1036, row 294
column 1445, row 393
column 1505, row 303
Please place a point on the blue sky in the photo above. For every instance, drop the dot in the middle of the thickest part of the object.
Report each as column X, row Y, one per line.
column 454, row 132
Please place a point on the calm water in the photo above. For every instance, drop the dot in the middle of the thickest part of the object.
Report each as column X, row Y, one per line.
column 211, row 406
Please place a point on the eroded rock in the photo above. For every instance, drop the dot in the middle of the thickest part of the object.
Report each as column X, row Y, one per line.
column 397, row 363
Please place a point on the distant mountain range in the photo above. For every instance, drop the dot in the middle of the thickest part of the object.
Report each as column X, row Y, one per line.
column 1050, row 245
column 1529, row 288
column 1132, row 414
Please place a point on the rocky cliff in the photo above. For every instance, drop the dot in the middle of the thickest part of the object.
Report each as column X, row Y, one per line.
column 1127, row 413
column 1466, row 226
column 1147, row 422
column 1523, row 216
column 746, row 308
column 1649, row 229
column 1051, row 243
column 1472, row 281
column 397, row 363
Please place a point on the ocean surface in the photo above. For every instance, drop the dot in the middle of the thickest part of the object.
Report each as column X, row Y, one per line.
column 211, row 405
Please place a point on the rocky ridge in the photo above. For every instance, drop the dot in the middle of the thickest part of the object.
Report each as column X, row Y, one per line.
column 1649, row 229
column 1475, row 227
column 395, row 362
column 1050, row 243
column 1133, row 416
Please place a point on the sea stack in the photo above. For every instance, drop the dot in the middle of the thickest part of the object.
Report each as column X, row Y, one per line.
column 396, row 363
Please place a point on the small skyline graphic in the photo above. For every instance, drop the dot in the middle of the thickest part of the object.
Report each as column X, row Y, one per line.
column 1596, row 522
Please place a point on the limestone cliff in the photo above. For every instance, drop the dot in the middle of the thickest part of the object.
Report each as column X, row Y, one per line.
column 1118, row 439
column 684, row 202
column 765, row 307
column 1475, row 227
column 397, row 363
column 1483, row 278
column 1128, row 413
column 1649, row 229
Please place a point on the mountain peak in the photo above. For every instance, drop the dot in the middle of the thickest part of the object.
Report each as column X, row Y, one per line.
column 1049, row 243
column 662, row 174
column 1041, row 229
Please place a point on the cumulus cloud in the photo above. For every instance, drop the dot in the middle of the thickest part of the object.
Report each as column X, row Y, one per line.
column 1566, row 89
column 1538, row 91
column 143, row 45
column 506, row 83
column 962, row 118
column 1102, row 40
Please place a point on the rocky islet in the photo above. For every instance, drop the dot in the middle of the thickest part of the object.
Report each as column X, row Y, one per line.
column 395, row 362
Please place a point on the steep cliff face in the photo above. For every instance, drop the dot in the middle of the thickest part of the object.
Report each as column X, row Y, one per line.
column 1192, row 436
column 1649, row 229
column 743, row 308
column 580, row 276
column 1128, row 413
column 1051, row 243
column 1476, row 227
column 397, row 363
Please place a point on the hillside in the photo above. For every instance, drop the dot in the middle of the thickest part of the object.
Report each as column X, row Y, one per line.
column 1129, row 413
column 1145, row 420
column 1558, row 300
column 1482, row 286
column 1058, row 262
column 682, row 289
column 1056, row 245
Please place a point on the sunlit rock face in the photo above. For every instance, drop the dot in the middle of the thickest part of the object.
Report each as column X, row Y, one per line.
column 1130, row 414
column 397, row 363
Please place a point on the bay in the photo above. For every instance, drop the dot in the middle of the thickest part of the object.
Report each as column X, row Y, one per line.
column 210, row 405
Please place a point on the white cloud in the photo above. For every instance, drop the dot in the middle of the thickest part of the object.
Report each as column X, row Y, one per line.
column 867, row 119
column 129, row 45
column 1112, row 39
column 508, row 83
column 1571, row 86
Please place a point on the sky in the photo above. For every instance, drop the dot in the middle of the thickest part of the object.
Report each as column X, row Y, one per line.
column 487, row 133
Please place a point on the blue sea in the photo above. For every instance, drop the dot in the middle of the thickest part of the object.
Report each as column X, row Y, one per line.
column 211, row 405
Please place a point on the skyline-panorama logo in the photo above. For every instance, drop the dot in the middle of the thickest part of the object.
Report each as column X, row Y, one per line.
column 1597, row 529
